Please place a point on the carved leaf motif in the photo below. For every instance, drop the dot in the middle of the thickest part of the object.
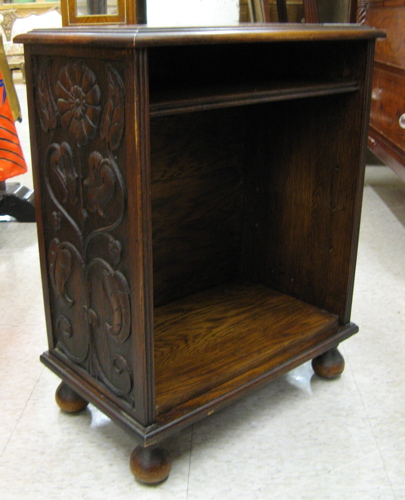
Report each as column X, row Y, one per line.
column 60, row 268
column 109, row 305
column 61, row 162
column 115, row 250
column 116, row 291
column 62, row 181
column 79, row 101
column 46, row 106
column 63, row 327
column 121, row 375
column 56, row 218
column 90, row 316
column 100, row 183
column 115, row 373
column 104, row 246
column 109, row 293
column 69, row 297
column 113, row 119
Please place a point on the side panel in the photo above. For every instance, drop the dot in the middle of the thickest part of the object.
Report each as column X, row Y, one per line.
column 88, row 187
column 304, row 191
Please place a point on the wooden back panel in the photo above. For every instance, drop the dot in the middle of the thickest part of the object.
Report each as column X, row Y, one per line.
column 196, row 168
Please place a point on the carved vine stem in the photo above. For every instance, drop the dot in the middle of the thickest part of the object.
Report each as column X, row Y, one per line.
column 92, row 306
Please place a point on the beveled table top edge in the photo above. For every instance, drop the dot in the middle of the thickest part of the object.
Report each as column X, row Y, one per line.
column 146, row 36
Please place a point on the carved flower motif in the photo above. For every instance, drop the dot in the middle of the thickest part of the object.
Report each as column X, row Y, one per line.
column 78, row 101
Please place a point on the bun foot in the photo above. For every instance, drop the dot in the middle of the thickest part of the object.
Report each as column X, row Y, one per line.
column 150, row 465
column 329, row 365
column 68, row 400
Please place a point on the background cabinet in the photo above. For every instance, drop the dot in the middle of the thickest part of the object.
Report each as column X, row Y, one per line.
column 338, row 11
column 387, row 119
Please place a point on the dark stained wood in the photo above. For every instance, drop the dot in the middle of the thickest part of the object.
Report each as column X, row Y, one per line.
column 200, row 407
column 150, row 465
column 387, row 103
column 282, row 11
column 179, row 83
column 196, row 194
column 273, row 13
column 196, row 99
column 329, row 365
column 91, row 201
column 68, row 400
column 391, row 19
column 127, row 12
column 211, row 401
column 83, row 384
column 311, row 13
column 383, row 149
column 387, row 120
column 292, row 11
column 209, row 338
column 139, row 236
column 131, row 36
column 312, row 261
column 198, row 210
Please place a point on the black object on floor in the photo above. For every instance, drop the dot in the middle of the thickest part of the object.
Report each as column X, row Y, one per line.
column 18, row 202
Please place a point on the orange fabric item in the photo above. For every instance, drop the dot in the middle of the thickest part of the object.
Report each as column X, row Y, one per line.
column 12, row 160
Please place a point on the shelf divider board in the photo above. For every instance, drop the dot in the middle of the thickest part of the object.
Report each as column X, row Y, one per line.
column 207, row 339
column 166, row 102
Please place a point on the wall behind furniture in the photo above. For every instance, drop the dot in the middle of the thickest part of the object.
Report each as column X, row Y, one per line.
column 192, row 12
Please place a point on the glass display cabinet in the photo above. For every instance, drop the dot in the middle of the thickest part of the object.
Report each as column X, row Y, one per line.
column 99, row 12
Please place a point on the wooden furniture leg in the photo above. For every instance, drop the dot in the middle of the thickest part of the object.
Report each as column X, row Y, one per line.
column 150, row 465
column 329, row 365
column 68, row 400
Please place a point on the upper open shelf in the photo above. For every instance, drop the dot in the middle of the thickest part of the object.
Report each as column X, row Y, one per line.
column 193, row 73
column 170, row 101
column 192, row 78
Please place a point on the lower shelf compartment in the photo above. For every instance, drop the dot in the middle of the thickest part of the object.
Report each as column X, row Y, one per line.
column 210, row 343
column 205, row 359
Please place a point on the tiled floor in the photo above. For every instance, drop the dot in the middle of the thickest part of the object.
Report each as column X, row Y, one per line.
column 298, row 438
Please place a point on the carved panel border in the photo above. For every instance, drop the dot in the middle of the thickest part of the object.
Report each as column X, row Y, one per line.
column 80, row 116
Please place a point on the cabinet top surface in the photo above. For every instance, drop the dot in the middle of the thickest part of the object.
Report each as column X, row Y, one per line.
column 144, row 36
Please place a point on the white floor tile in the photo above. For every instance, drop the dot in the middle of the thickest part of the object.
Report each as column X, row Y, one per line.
column 394, row 461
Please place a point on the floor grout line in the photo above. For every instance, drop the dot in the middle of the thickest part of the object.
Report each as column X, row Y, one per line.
column 189, row 462
column 21, row 414
column 370, row 425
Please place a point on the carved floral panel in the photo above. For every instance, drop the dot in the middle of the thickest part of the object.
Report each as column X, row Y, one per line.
column 80, row 109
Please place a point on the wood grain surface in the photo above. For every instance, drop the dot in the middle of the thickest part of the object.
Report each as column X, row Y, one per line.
column 387, row 107
column 196, row 190
column 207, row 339
column 386, row 134
column 391, row 18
